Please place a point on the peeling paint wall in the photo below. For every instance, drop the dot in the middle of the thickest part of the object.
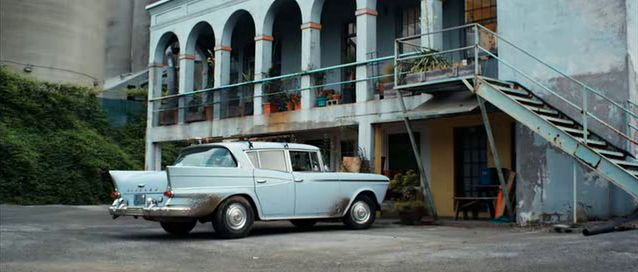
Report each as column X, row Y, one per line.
column 588, row 40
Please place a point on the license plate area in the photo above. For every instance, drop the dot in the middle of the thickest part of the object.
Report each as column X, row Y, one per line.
column 139, row 199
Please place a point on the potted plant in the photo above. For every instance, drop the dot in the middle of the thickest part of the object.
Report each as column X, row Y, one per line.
column 409, row 204
column 324, row 96
column 195, row 111
column 294, row 102
column 428, row 67
column 270, row 89
column 386, row 84
column 168, row 110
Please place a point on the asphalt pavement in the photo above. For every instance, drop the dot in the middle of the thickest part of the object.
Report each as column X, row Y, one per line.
column 85, row 238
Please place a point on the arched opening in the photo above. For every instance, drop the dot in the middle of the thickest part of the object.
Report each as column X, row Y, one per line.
column 200, row 54
column 167, row 54
column 338, row 46
column 201, row 45
column 283, row 22
column 286, row 49
column 240, row 32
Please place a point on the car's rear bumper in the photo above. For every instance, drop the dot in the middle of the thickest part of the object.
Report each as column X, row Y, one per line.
column 150, row 210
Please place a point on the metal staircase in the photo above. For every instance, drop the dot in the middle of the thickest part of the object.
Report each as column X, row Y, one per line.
column 563, row 132
column 550, row 121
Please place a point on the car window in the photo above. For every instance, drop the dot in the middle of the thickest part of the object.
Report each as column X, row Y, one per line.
column 206, row 157
column 252, row 156
column 303, row 161
column 272, row 160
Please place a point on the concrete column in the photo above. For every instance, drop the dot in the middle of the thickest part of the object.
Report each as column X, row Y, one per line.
column 222, row 75
column 366, row 49
column 186, row 84
column 432, row 20
column 263, row 62
column 152, row 151
column 366, row 141
column 310, row 60
column 153, row 156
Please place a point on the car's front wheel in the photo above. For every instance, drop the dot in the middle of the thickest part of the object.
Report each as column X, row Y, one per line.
column 178, row 228
column 361, row 213
column 234, row 218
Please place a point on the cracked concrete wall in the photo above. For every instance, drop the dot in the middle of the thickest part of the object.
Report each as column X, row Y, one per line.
column 589, row 41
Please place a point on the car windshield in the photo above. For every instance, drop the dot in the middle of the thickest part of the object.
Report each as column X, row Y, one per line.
column 206, row 157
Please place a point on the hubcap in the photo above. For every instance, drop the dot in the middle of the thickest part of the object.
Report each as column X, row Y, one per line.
column 236, row 216
column 360, row 212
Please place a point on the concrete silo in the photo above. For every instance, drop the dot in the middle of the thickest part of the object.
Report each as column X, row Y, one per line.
column 55, row 40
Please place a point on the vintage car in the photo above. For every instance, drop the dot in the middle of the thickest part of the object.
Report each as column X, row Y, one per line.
column 234, row 184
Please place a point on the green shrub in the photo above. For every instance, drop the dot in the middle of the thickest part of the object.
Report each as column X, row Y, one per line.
column 56, row 145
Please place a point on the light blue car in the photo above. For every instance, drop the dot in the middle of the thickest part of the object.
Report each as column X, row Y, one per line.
column 234, row 184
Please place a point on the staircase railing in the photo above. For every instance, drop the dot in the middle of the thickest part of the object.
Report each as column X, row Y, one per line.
column 564, row 81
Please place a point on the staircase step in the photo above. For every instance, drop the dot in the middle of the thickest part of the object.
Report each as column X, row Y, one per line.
column 517, row 92
column 609, row 153
column 591, row 142
column 558, row 120
column 543, row 111
column 499, row 82
column 528, row 101
column 573, row 130
column 626, row 164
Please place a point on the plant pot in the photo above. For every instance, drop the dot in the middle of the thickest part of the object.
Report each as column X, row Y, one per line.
column 209, row 113
column 297, row 105
column 168, row 117
column 322, row 101
column 467, row 70
column 290, row 106
column 194, row 117
column 411, row 216
column 270, row 108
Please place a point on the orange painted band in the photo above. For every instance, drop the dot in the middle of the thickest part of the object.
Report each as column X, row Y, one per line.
column 187, row 57
column 265, row 38
column 311, row 25
column 223, row 48
column 366, row 11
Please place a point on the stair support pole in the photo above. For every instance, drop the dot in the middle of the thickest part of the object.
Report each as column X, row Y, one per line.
column 497, row 160
column 426, row 191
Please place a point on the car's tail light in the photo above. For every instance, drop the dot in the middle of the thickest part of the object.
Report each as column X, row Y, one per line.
column 116, row 195
column 169, row 193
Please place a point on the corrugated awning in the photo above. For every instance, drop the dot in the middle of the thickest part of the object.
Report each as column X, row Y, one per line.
column 443, row 104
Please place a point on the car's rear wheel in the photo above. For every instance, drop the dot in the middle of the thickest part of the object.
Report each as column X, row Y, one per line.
column 178, row 228
column 234, row 218
column 303, row 223
column 361, row 213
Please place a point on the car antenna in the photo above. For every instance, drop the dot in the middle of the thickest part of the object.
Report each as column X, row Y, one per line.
column 250, row 144
column 286, row 145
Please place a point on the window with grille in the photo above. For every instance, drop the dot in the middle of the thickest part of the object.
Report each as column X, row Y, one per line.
column 410, row 21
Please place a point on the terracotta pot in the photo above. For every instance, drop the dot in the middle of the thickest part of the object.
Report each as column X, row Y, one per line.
column 290, row 106
column 209, row 113
column 411, row 217
column 270, row 108
column 297, row 105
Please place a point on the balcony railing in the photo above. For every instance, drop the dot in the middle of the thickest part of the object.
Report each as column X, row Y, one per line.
column 330, row 86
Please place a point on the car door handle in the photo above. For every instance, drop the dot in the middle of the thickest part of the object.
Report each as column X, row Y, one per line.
column 299, row 180
column 261, row 181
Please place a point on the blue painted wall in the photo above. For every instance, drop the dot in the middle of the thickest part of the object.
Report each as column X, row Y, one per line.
column 587, row 40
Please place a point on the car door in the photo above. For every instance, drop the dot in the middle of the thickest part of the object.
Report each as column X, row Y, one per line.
column 274, row 184
column 316, row 191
